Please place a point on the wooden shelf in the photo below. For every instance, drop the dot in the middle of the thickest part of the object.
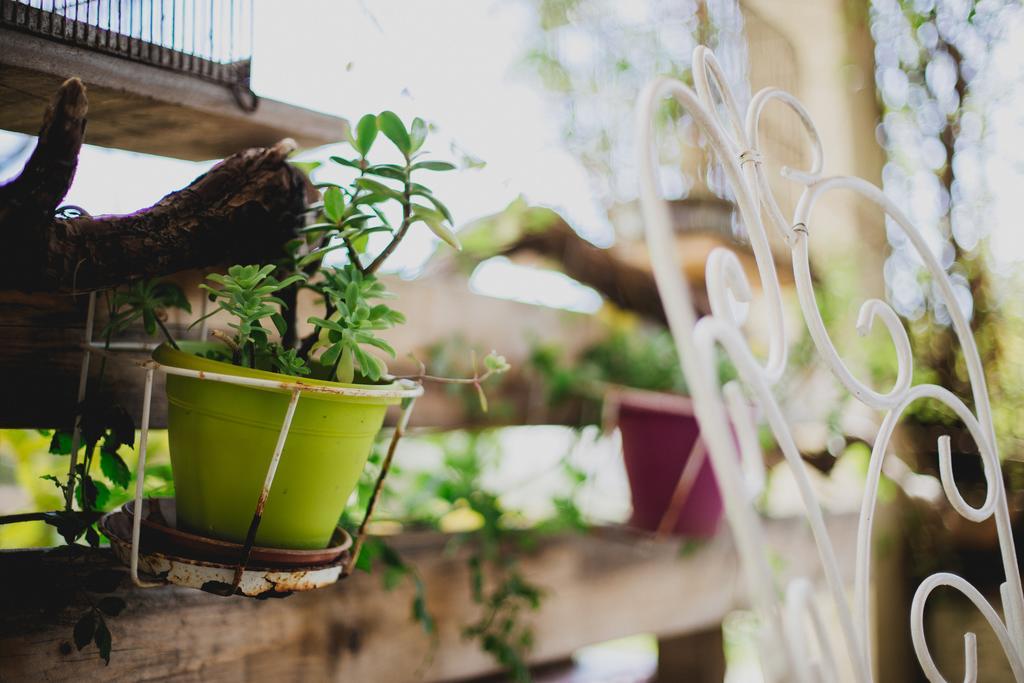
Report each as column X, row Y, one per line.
column 143, row 108
column 604, row 585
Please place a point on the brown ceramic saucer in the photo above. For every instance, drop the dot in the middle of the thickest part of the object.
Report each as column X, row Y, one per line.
column 162, row 535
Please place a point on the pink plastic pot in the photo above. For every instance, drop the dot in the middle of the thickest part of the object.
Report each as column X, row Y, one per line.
column 659, row 437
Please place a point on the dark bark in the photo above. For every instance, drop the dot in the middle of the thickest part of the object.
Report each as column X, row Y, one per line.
column 242, row 210
column 29, row 201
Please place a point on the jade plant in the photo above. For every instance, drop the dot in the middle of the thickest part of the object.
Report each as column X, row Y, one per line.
column 381, row 198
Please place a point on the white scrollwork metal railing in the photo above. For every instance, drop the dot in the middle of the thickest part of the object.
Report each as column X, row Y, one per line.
column 724, row 414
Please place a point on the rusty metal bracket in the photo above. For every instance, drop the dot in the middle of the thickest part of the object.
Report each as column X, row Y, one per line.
column 371, row 505
column 405, row 390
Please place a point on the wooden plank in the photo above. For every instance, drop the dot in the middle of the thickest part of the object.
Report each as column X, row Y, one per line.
column 143, row 108
column 41, row 339
column 604, row 585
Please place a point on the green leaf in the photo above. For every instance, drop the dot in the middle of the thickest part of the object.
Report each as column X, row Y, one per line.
column 60, row 444
column 366, row 364
column 326, row 324
column 149, row 321
column 418, row 133
column 379, row 343
column 306, row 167
column 394, row 129
column 331, row 355
column 84, row 629
column 435, row 221
column 433, row 166
column 279, row 323
column 378, row 187
column 92, row 494
column 115, row 469
column 318, row 227
column 366, row 133
column 56, row 482
column 436, row 202
column 392, row 576
column 355, row 220
column 390, row 171
column 346, row 162
column 496, row 363
column 369, row 552
column 103, row 640
column 318, row 254
column 334, row 204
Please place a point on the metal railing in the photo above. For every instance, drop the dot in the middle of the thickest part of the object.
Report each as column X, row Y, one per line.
column 794, row 644
column 211, row 39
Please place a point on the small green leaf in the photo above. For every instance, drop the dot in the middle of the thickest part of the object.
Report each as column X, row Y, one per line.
column 149, row 321
column 389, row 171
column 56, row 482
column 279, row 323
column 379, row 343
column 435, row 221
column 346, row 162
column 331, row 355
column 496, row 363
column 114, row 468
column 369, row 552
column 60, row 444
column 417, row 133
column 433, row 166
column 366, row 133
column 103, row 640
column 394, row 129
column 318, row 227
column 84, row 629
column 392, row 576
column 378, row 187
column 437, row 204
column 334, row 204
column 306, row 167
column 318, row 254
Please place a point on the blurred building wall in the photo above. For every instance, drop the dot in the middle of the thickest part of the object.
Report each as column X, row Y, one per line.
column 822, row 52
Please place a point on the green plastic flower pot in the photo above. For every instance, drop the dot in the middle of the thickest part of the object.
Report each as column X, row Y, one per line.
column 222, row 437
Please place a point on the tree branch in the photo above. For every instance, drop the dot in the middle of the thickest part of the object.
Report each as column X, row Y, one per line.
column 242, row 210
column 31, row 199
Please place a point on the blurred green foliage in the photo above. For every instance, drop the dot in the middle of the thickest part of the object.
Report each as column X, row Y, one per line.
column 26, row 461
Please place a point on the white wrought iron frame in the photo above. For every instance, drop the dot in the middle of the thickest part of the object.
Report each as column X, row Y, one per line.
column 785, row 640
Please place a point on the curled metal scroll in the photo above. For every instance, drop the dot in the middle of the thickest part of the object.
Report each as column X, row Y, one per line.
column 786, row 611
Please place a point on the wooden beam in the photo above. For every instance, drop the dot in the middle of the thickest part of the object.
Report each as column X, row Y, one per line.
column 600, row 586
column 144, row 108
